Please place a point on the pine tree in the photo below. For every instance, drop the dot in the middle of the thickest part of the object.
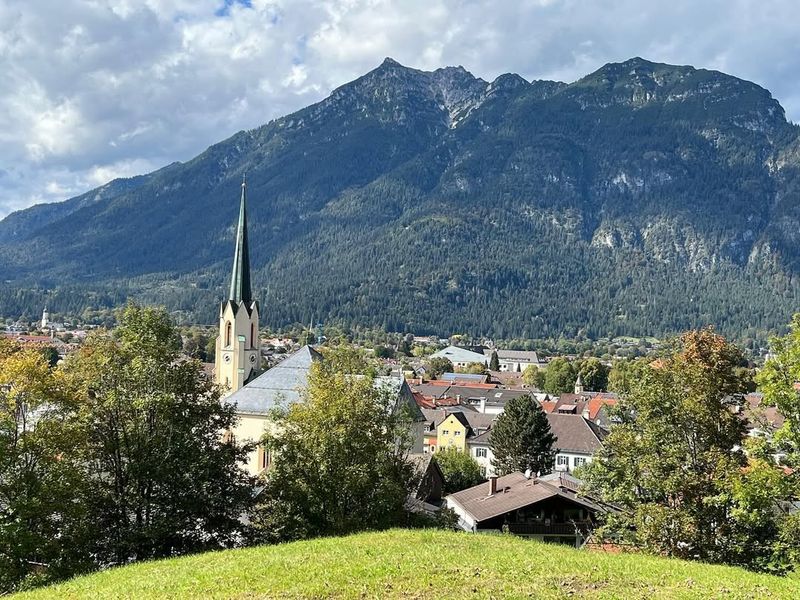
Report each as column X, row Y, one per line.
column 521, row 438
column 494, row 362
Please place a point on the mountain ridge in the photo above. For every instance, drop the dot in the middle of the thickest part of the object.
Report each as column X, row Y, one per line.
column 690, row 174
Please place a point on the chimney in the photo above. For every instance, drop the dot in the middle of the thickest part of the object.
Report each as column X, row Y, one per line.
column 482, row 408
column 492, row 485
column 585, row 413
column 458, row 398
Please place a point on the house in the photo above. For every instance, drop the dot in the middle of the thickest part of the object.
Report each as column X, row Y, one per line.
column 484, row 398
column 546, row 508
column 458, row 427
column 432, row 419
column 461, row 357
column 283, row 385
column 453, row 427
column 591, row 405
column 577, row 441
column 515, row 361
column 430, row 480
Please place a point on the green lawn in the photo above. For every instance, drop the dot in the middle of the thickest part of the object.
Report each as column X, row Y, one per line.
column 420, row 564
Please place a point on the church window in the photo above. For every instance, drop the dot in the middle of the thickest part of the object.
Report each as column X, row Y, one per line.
column 264, row 458
column 252, row 335
column 228, row 334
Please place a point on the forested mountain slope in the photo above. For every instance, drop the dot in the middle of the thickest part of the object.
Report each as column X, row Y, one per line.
column 642, row 199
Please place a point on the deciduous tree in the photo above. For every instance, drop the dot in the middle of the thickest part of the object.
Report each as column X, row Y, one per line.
column 340, row 461
column 675, row 462
column 459, row 469
column 164, row 480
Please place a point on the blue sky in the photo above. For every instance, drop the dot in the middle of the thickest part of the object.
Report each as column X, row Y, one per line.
column 97, row 89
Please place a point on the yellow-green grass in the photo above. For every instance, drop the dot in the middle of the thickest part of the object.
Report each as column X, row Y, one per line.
column 420, row 564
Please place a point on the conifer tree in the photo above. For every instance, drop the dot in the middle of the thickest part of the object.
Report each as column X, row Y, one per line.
column 494, row 362
column 521, row 438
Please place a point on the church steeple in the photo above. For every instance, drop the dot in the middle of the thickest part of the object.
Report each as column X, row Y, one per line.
column 240, row 275
column 238, row 356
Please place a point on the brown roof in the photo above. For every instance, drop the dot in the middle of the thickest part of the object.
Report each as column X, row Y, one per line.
column 515, row 491
column 759, row 415
column 575, row 433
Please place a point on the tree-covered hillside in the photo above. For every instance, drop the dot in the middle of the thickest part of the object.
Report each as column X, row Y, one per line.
column 641, row 199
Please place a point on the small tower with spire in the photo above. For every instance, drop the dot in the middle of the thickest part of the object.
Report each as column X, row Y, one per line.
column 238, row 357
column 45, row 318
column 579, row 385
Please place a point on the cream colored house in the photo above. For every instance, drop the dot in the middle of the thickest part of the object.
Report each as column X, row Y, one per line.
column 283, row 385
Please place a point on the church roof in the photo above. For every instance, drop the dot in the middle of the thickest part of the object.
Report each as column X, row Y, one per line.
column 277, row 387
column 240, row 276
column 284, row 383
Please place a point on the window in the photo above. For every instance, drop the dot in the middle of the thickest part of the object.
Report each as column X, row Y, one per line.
column 228, row 331
column 264, row 458
column 562, row 460
column 579, row 461
column 456, row 433
column 445, row 432
column 252, row 335
column 480, row 452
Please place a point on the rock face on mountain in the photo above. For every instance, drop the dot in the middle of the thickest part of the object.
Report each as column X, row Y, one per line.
column 642, row 199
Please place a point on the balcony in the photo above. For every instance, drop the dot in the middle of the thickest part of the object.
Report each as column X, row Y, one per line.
column 552, row 529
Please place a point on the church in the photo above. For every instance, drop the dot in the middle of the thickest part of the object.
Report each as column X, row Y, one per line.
column 238, row 363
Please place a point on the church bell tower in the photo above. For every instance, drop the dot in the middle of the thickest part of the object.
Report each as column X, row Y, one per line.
column 238, row 358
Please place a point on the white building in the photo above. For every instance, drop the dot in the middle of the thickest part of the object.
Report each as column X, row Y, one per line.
column 577, row 441
column 461, row 357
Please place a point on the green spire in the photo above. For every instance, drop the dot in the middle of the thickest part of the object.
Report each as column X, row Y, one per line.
column 240, row 277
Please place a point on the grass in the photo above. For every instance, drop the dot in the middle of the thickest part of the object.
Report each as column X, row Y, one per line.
column 420, row 564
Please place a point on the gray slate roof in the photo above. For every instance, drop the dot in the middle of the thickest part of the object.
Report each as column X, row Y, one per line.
column 278, row 387
column 284, row 383
column 528, row 356
column 458, row 355
column 576, row 434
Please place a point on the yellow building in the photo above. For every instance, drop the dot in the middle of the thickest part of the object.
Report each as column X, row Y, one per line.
column 452, row 432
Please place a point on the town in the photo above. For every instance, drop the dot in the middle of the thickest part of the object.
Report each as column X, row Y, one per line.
column 470, row 437
column 390, row 299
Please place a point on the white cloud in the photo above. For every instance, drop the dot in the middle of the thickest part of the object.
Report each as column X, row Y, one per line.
column 96, row 89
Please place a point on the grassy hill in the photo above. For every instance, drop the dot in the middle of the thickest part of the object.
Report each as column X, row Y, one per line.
column 420, row 564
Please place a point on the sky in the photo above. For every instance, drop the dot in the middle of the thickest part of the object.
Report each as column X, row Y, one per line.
column 92, row 90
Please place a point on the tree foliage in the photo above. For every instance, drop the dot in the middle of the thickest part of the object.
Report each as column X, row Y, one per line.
column 44, row 522
column 559, row 376
column 521, row 438
column 459, row 469
column 437, row 366
column 494, row 362
column 675, row 463
column 778, row 380
column 115, row 455
column 594, row 375
column 534, row 377
column 340, row 461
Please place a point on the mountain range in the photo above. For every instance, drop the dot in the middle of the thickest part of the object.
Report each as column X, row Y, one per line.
column 642, row 199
